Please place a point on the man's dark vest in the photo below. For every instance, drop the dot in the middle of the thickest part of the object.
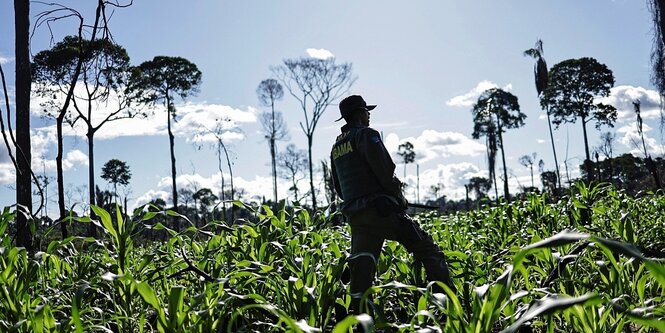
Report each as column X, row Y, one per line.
column 353, row 171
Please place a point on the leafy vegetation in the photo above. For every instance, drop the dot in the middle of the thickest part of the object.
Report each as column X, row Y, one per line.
column 583, row 264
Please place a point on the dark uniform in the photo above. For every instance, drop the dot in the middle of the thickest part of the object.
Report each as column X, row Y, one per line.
column 363, row 174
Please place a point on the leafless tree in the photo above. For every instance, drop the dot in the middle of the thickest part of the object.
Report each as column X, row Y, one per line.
column 606, row 148
column 21, row 141
column 215, row 136
column 607, row 144
column 315, row 84
column 292, row 164
column 527, row 161
column 275, row 129
column 273, row 124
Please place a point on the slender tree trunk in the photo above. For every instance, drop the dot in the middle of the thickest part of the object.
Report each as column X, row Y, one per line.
column 221, row 174
column 174, row 188
column 228, row 162
column 661, row 18
column 273, row 151
column 587, row 161
column 196, row 213
column 23, row 80
column 556, row 163
column 295, row 186
column 172, row 151
column 92, row 230
column 274, row 168
column 492, row 172
column 61, row 116
column 311, row 170
column 62, row 211
column 532, row 184
column 417, row 183
column 506, row 193
column 466, row 195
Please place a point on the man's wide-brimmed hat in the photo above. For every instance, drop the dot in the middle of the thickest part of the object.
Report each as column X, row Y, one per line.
column 353, row 103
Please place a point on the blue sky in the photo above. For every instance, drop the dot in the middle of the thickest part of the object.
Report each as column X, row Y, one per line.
column 423, row 62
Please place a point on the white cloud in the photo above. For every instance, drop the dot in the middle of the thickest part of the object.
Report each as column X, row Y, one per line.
column 40, row 142
column 540, row 141
column 633, row 141
column 251, row 190
column 432, row 144
column 4, row 156
column 7, row 174
column 622, row 98
column 319, row 53
column 191, row 119
column 5, row 60
column 198, row 120
column 451, row 176
column 468, row 99
column 149, row 196
column 73, row 158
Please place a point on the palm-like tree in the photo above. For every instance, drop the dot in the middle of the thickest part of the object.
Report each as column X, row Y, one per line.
column 658, row 49
column 496, row 111
column 541, row 80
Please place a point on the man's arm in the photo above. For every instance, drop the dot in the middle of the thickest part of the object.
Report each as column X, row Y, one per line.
column 335, row 180
column 379, row 160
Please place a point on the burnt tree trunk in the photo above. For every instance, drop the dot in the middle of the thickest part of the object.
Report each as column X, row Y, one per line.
column 23, row 168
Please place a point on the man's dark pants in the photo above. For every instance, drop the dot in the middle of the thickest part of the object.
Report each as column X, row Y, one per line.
column 370, row 227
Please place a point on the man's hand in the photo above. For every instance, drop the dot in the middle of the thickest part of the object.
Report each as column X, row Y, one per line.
column 403, row 204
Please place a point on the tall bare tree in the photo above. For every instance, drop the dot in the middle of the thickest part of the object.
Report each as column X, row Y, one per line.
column 315, row 84
column 215, row 136
column 527, row 161
column 23, row 167
column 541, row 79
column 273, row 124
column 292, row 162
column 163, row 79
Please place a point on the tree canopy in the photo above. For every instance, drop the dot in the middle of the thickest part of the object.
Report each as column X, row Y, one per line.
column 165, row 77
column 574, row 87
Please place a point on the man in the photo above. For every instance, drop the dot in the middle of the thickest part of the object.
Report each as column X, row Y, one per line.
column 363, row 174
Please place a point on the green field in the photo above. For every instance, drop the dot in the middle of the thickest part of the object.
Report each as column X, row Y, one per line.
column 587, row 263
